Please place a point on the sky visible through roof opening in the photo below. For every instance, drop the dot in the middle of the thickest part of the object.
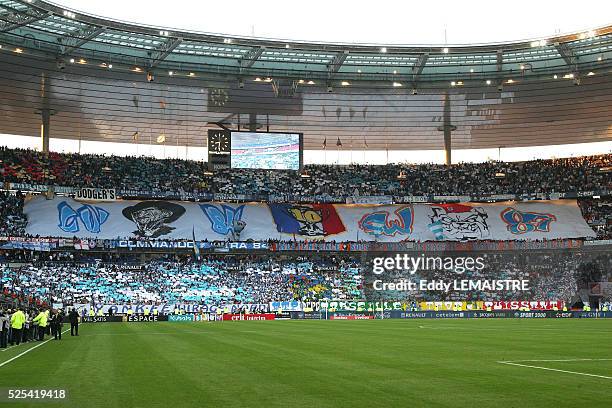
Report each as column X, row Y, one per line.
column 390, row 22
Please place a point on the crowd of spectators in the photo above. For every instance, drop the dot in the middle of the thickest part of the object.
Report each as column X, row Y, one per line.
column 102, row 171
column 598, row 214
column 12, row 220
column 253, row 279
column 539, row 176
column 212, row 281
column 171, row 175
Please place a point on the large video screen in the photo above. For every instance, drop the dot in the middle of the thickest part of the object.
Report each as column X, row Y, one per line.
column 259, row 150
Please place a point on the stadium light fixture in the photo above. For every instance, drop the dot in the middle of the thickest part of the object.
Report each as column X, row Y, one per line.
column 445, row 50
column 383, row 50
column 170, row 73
column 394, row 72
column 110, row 66
column 359, row 71
column 568, row 76
column 453, row 83
column 471, row 70
column 69, row 14
column 596, row 197
column 539, row 43
column 82, row 61
column 192, row 74
column 397, row 85
column 591, row 73
column 227, row 40
column 510, row 81
column 522, row 67
column 258, row 79
column 18, row 50
column 311, row 82
column 599, row 58
column 555, row 76
column 268, row 79
column 164, row 33
column 345, row 83
column 488, row 82
column 301, row 81
column 72, row 60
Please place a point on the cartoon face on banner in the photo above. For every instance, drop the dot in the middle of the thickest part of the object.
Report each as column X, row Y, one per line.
column 308, row 219
column 151, row 217
column 90, row 216
column 225, row 220
column 521, row 222
column 458, row 222
column 383, row 223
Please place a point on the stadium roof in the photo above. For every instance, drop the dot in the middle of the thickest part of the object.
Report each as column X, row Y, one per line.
column 47, row 29
column 90, row 75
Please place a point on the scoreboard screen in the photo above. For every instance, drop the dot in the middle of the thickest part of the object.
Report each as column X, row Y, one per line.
column 263, row 150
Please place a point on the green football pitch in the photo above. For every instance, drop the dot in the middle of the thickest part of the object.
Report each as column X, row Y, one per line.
column 388, row 363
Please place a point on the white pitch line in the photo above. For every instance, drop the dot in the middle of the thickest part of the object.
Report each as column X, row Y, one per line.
column 30, row 349
column 555, row 369
column 561, row 360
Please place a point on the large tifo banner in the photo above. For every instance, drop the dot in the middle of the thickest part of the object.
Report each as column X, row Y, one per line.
column 215, row 221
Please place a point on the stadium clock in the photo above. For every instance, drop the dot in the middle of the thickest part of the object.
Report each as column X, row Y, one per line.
column 218, row 97
column 219, row 148
column 219, row 142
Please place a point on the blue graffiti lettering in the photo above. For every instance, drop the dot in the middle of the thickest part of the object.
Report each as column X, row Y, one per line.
column 519, row 222
column 222, row 220
column 379, row 222
column 90, row 216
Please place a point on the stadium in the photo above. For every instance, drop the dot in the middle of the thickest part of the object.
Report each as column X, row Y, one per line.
column 196, row 219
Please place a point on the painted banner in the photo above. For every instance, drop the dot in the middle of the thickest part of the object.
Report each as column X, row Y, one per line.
column 217, row 221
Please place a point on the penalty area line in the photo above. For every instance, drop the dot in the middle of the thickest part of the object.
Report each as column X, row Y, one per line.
column 561, row 360
column 555, row 369
column 28, row 350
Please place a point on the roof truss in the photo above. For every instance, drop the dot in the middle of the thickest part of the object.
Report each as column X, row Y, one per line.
column 77, row 39
column 163, row 50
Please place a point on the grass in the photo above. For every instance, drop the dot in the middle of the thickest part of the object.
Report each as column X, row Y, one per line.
column 390, row 363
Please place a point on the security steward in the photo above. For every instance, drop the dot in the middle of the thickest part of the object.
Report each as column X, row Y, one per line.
column 17, row 321
column 41, row 318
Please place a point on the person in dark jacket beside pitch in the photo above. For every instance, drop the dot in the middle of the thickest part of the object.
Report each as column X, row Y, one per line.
column 56, row 324
column 73, row 316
